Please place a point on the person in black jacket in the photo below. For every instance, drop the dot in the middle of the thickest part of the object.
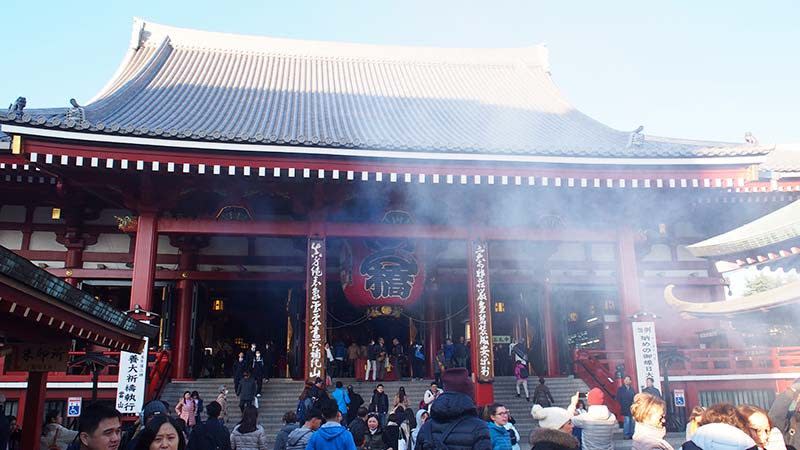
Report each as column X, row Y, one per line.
column 358, row 426
column 625, row 396
column 238, row 371
column 454, row 421
column 247, row 391
column 373, row 350
column 355, row 403
column 211, row 434
column 380, row 404
column 258, row 372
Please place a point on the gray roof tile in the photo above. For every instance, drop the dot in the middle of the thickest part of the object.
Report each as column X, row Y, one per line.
column 195, row 85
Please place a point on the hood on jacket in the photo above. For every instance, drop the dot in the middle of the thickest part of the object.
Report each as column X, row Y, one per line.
column 289, row 427
column 599, row 412
column 556, row 437
column 450, row 405
column 721, row 436
column 331, row 430
column 418, row 416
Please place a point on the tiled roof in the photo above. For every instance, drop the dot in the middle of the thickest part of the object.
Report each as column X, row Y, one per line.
column 202, row 86
column 760, row 301
column 774, row 228
column 785, row 158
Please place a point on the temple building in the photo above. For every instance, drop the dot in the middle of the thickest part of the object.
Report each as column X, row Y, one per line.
column 252, row 189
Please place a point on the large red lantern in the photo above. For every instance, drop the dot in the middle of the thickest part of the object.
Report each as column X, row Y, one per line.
column 378, row 272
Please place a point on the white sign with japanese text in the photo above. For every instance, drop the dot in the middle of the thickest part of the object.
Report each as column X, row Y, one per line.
column 130, row 384
column 646, row 352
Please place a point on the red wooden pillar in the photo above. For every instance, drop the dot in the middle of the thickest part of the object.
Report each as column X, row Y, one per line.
column 433, row 341
column 144, row 261
column 480, row 320
column 183, row 315
column 629, row 296
column 316, row 311
column 74, row 260
column 550, row 339
column 33, row 415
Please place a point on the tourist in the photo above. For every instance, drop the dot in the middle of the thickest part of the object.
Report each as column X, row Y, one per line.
column 358, row 426
column 580, row 407
column 788, row 421
column 375, row 438
column 328, row 360
column 383, row 358
column 339, row 355
column 555, row 428
column 454, row 420
column 650, row 389
column 258, row 372
column 162, row 433
column 352, row 359
column 356, row 402
column 694, row 421
column 439, row 365
column 460, row 352
column 186, row 409
column 521, row 374
column 99, row 427
column 249, row 435
column 299, row 437
column 422, row 416
column 342, row 398
column 541, row 395
column 198, row 406
column 304, row 403
column 318, row 392
column 417, row 361
column 250, row 356
column 430, row 395
column 597, row 424
column 399, row 356
column 405, row 416
column 400, row 399
column 15, row 434
column 649, row 413
column 518, row 351
column 449, row 353
column 269, row 360
column 211, row 434
column 498, row 415
column 391, row 432
column 721, row 427
column 152, row 409
column 760, row 428
column 373, row 351
column 625, row 396
column 239, row 368
column 332, row 435
column 289, row 425
column 247, row 391
column 5, row 425
column 54, row 434
column 379, row 403
column 222, row 399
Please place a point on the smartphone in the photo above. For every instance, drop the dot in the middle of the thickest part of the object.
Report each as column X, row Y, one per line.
column 582, row 395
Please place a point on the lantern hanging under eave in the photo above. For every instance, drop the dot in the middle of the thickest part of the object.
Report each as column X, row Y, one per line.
column 379, row 272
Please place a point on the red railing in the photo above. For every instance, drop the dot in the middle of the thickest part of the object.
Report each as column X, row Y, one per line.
column 159, row 374
column 595, row 368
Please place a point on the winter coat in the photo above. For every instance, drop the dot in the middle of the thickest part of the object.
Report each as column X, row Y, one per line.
column 542, row 396
column 247, row 389
column 64, row 438
column 342, row 399
column 719, row 436
column 547, row 439
column 625, row 398
column 222, row 399
column 331, row 436
column 283, row 435
column 373, row 351
column 255, row 440
column 379, row 403
column 391, row 434
column 459, row 350
column 469, row 431
column 429, row 396
column 598, row 425
column 500, row 437
column 352, row 409
column 186, row 411
column 358, row 428
column 298, row 438
column 648, row 437
column 513, row 434
column 518, row 372
column 352, row 352
column 198, row 410
column 783, row 419
column 415, row 431
column 375, row 440
column 652, row 391
column 209, row 435
column 238, row 369
column 258, row 369
column 396, row 402
column 339, row 351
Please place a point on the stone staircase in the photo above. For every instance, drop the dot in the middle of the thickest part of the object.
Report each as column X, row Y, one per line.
column 280, row 395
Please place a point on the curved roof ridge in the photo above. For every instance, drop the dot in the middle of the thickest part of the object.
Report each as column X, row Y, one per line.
column 152, row 34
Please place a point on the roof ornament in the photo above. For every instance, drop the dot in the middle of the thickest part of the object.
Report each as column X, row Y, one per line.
column 636, row 138
column 750, row 139
column 18, row 106
column 76, row 113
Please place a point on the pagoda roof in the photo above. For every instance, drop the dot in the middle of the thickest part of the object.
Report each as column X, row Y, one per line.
column 785, row 159
column 179, row 84
column 761, row 301
column 775, row 228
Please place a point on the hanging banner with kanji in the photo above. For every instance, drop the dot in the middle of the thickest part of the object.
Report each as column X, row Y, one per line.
column 646, row 353
column 480, row 311
column 315, row 310
column 130, row 383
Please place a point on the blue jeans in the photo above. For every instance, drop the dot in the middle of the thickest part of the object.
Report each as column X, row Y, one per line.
column 628, row 426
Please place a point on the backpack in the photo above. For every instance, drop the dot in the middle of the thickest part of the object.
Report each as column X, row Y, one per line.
column 201, row 439
column 300, row 412
column 523, row 372
column 440, row 444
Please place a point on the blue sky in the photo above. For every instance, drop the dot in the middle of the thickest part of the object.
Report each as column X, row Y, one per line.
column 705, row 70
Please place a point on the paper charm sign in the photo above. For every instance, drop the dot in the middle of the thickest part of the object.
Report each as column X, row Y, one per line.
column 130, row 384
column 646, row 352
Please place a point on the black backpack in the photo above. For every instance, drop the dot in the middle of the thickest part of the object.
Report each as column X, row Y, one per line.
column 440, row 444
column 202, row 439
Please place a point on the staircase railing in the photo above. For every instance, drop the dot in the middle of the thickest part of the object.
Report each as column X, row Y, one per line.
column 159, row 374
column 594, row 371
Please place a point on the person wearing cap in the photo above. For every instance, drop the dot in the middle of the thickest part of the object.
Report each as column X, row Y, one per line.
column 151, row 409
column 555, row 428
column 598, row 423
column 454, row 421
column 299, row 437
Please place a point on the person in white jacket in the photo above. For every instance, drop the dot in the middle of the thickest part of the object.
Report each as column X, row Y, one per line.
column 598, row 423
column 54, row 434
column 431, row 395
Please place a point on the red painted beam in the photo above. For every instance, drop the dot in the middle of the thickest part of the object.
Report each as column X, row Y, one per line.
column 144, row 262
column 33, row 415
column 629, row 293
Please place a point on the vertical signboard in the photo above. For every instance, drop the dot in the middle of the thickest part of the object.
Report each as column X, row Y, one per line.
column 130, row 382
column 646, row 353
column 481, row 312
column 315, row 309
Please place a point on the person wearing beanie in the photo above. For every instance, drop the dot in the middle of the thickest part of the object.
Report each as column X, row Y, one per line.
column 555, row 428
column 454, row 421
column 598, row 423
